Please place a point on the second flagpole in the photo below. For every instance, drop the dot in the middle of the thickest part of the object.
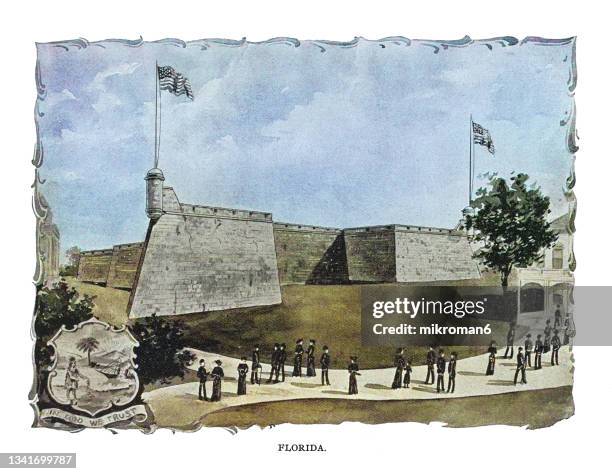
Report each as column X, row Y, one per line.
column 157, row 115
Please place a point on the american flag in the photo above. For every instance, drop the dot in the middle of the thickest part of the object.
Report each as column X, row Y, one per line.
column 481, row 136
column 175, row 82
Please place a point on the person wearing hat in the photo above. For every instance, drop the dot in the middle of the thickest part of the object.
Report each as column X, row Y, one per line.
column 452, row 371
column 255, row 365
column 431, row 361
column 520, row 366
column 282, row 357
column 538, row 348
column 203, row 376
column 325, row 363
column 407, row 373
column 547, row 335
column 400, row 365
column 528, row 349
column 274, row 362
column 492, row 355
column 441, row 366
column 310, row 359
column 556, row 345
column 353, row 370
column 243, row 369
column 217, row 374
column 297, row 358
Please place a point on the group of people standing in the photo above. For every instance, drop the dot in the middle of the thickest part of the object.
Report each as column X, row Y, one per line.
column 548, row 342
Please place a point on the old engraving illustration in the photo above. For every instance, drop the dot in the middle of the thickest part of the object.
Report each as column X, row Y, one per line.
column 235, row 233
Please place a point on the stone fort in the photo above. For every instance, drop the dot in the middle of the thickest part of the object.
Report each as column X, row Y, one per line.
column 200, row 258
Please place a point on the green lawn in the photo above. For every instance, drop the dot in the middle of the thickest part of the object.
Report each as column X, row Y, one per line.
column 330, row 314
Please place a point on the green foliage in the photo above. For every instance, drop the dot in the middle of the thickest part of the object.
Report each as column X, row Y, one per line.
column 161, row 354
column 57, row 306
column 68, row 270
column 510, row 224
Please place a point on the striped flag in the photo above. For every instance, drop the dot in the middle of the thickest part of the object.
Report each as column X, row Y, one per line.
column 174, row 82
column 481, row 136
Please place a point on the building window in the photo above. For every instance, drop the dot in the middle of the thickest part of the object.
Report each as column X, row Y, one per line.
column 557, row 260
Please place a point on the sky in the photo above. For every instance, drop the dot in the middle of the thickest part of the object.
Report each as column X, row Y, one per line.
column 338, row 135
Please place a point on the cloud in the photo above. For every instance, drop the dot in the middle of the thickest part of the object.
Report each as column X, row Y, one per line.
column 123, row 69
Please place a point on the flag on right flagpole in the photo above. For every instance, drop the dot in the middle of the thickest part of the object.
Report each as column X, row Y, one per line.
column 481, row 136
column 173, row 81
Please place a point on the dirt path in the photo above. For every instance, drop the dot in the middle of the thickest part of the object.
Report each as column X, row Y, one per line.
column 178, row 405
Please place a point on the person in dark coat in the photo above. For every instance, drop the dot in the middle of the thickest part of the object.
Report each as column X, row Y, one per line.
column 282, row 357
column 243, row 370
column 353, row 370
column 528, row 349
column 255, row 365
column 203, row 376
column 492, row 356
column 521, row 366
column 556, row 345
column 217, row 374
column 400, row 365
column 509, row 354
column 297, row 358
column 538, row 348
column 547, row 335
column 441, row 366
column 407, row 373
column 558, row 316
column 274, row 362
column 325, row 363
column 452, row 372
column 310, row 359
column 431, row 362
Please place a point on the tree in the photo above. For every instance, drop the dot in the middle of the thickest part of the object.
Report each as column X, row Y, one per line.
column 88, row 344
column 161, row 354
column 57, row 306
column 73, row 256
column 510, row 225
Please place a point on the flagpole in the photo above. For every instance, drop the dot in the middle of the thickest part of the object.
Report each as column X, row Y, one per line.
column 471, row 159
column 157, row 115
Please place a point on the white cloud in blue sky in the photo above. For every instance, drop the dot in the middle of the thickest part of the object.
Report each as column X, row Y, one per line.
column 346, row 137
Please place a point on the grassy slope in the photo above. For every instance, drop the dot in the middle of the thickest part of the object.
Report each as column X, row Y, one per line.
column 329, row 314
column 516, row 409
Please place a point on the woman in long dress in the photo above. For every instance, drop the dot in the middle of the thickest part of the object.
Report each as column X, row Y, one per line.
column 492, row 355
column 400, row 364
column 217, row 374
column 407, row 373
column 310, row 359
column 243, row 369
column 353, row 369
column 297, row 359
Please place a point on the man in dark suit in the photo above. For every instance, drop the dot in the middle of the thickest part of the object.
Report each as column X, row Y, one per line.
column 538, row 348
column 274, row 362
column 452, row 371
column 255, row 365
column 325, row 363
column 520, row 366
column 441, row 366
column 282, row 357
column 203, row 376
column 556, row 345
column 431, row 361
column 528, row 349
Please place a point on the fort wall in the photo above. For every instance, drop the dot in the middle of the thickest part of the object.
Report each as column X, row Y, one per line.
column 424, row 254
column 124, row 264
column 309, row 254
column 201, row 258
column 94, row 266
column 370, row 254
